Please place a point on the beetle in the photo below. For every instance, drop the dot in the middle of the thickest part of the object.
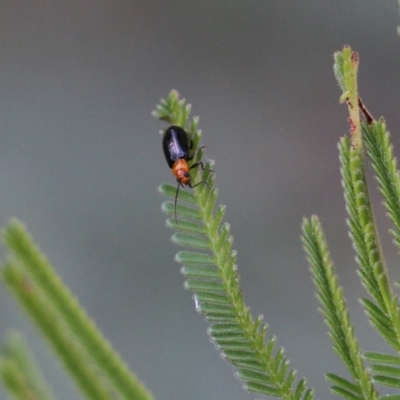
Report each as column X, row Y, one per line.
column 176, row 146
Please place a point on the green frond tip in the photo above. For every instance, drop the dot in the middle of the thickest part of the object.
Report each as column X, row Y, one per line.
column 175, row 111
column 345, row 68
column 210, row 271
column 339, row 69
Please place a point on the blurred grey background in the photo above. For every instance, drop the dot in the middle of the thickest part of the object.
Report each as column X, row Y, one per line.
column 81, row 160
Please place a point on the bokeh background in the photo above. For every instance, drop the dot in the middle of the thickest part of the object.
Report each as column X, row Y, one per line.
column 81, row 160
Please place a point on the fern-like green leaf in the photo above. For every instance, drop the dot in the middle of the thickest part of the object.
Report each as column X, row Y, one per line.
column 68, row 350
column 383, row 312
column 336, row 315
column 211, row 274
column 20, row 373
column 75, row 337
column 384, row 163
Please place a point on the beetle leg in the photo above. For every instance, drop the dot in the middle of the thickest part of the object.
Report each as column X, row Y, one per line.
column 201, row 165
column 194, row 153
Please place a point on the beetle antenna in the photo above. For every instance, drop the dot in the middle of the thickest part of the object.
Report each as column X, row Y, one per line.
column 176, row 198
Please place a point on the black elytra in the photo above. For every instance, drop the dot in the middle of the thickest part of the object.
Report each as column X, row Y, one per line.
column 176, row 147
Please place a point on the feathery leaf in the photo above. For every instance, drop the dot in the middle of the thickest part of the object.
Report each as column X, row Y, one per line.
column 361, row 221
column 211, row 274
column 336, row 315
column 74, row 337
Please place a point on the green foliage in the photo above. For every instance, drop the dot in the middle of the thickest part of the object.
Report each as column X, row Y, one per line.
column 211, row 274
column 174, row 111
column 345, row 69
column 20, row 373
column 85, row 353
column 336, row 316
column 211, row 271
column 366, row 242
column 382, row 307
column 380, row 151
